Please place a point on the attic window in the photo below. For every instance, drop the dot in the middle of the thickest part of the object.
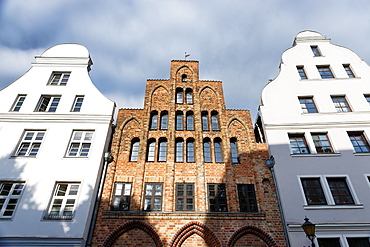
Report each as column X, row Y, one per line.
column 183, row 77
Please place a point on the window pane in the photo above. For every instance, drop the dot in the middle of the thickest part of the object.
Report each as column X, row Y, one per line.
column 162, row 155
column 190, row 121
column 205, row 121
column 340, row 191
column 313, row 191
column 298, row 144
column 218, row 151
column 179, row 151
column 190, row 156
column 234, row 152
column 214, row 120
column 164, row 121
column 307, row 105
column 322, row 143
column 328, row 242
column 207, row 151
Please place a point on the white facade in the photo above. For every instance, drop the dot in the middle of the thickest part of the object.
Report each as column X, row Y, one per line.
column 39, row 114
column 320, row 173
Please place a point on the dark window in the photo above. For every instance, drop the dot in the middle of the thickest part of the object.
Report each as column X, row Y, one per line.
column 316, row 51
column 359, row 142
column 340, row 103
column 151, row 150
column 349, row 71
column 162, row 151
column 367, row 97
column 183, row 78
column 189, row 96
column 340, row 191
column 325, row 72
column 164, row 120
column 214, row 121
column 328, row 242
column 134, row 149
column 184, row 197
column 179, row 150
column 205, row 121
column 153, row 120
column 307, row 105
column 313, row 191
column 121, row 196
column 179, row 96
column 189, row 121
column 298, row 144
column 218, row 150
column 301, row 72
column 322, row 143
column 153, row 197
column 247, row 198
column 179, row 120
column 207, row 150
column 217, row 198
column 190, row 151
column 358, row 242
column 234, row 151
column 48, row 103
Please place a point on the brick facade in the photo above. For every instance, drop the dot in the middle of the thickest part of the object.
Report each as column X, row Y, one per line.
column 181, row 97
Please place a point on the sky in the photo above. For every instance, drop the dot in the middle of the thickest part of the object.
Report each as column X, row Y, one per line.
column 239, row 42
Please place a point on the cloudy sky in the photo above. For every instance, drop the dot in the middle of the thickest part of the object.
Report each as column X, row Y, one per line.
column 239, row 42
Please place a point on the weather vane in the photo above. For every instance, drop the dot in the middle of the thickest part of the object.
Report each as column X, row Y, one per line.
column 186, row 55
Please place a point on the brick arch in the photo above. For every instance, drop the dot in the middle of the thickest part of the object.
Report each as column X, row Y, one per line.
column 158, row 95
column 198, row 228
column 130, row 226
column 180, row 70
column 237, row 120
column 264, row 236
column 209, row 98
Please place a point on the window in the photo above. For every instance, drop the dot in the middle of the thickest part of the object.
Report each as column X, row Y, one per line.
column 330, row 242
column 121, row 196
column 340, row 103
column 205, row 121
column 313, row 191
column 164, row 120
column 349, row 71
column 340, row 191
column 151, row 150
column 179, row 150
column 307, row 105
column 179, row 96
column 184, row 197
column 78, row 104
column 162, row 152
column 298, row 144
column 214, row 121
column 316, row 51
column 367, row 97
column 217, row 198
column 183, row 77
column 80, row 143
column 189, row 96
column 153, row 120
column 48, row 103
column 63, row 201
column 218, row 150
column 134, row 154
column 10, row 193
column 18, row 102
column 322, row 143
column 30, row 143
column 358, row 242
column 179, row 120
column 207, row 150
column 359, row 142
column 325, row 72
column 247, row 198
column 234, row 151
column 153, row 197
column 59, row 78
column 189, row 120
column 190, row 150
column 302, row 73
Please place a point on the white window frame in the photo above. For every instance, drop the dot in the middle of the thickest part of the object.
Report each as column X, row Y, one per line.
column 342, row 237
column 53, row 102
column 18, row 102
column 76, row 104
column 80, row 140
column 10, row 197
column 122, row 191
column 62, row 80
column 28, row 144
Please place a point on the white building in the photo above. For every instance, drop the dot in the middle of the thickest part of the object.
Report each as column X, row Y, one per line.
column 55, row 127
column 315, row 117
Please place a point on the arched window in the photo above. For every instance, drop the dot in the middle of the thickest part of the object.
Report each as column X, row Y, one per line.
column 179, row 96
column 218, row 150
column 234, row 151
column 150, row 150
column 205, row 121
column 162, row 151
column 179, row 150
column 189, row 120
column 190, row 150
column 153, row 120
column 164, row 120
column 189, row 96
column 134, row 154
column 214, row 121
column 183, row 77
column 207, row 150
column 179, row 120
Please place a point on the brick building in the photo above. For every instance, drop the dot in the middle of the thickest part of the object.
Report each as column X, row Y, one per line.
column 186, row 171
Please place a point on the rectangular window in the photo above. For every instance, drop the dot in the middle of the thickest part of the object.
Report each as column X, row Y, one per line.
column 121, row 196
column 349, row 71
column 18, row 102
column 10, row 193
column 358, row 242
column 59, row 78
column 63, row 201
column 315, row 50
column 340, row 103
column 307, row 104
column 153, row 197
column 298, row 144
column 322, row 143
column 185, row 197
column 302, row 72
column 359, row 142
column 80, row 143
column 330, row 242
column 313, row 191
column 48, row 103
column 217, row 198
column 30, row 143
column 247, row 198
column 77, row 104
column 340, row 191
column 325, row 72
column 190, row 151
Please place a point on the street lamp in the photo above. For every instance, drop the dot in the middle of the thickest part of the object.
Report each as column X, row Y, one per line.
column 309, row 229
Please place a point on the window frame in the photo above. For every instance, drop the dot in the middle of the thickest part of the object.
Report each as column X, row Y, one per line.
column 307, row 104
column 62, row 81
column 18, row 102
column 190, row 120
column 361, row 135
column 325, row 71
column 234, row 154
column 217, row 197
column 179, row 122
column 48, row 103
column 302, row 72
column 121, row 199
column 207, row 155
column 152, row 198
column 82, row 145
column 316, row 51
column 322, row 143
column 164, row 120
column 205, row 122
column 150, row 150
column 189, row 96
column 215, row 123
column 162, row 150
column 298, row 143
column 190, row 150
column 340, row 103
column 153, row 125
column 179, row 150
column 30, row 146
column 349, row 71
column 77, row 104
column 179, row 99
column 187, row 197
column 248, row 199
column 218, row 150
column 134, row 150
column 7, row 203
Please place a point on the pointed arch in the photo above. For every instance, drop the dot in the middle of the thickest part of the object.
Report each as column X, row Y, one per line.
column 184, row 70
column 158, row 95
column 264, row 236
column 129, row 226
column 209, row 98
column 198, row 228
column 236, row 121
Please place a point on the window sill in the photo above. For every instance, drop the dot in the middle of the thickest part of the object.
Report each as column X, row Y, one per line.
column 320, row 207
column 317, row 155
column 361, row 154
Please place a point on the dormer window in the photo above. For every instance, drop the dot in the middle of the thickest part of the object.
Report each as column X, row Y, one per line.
column 183, row 77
